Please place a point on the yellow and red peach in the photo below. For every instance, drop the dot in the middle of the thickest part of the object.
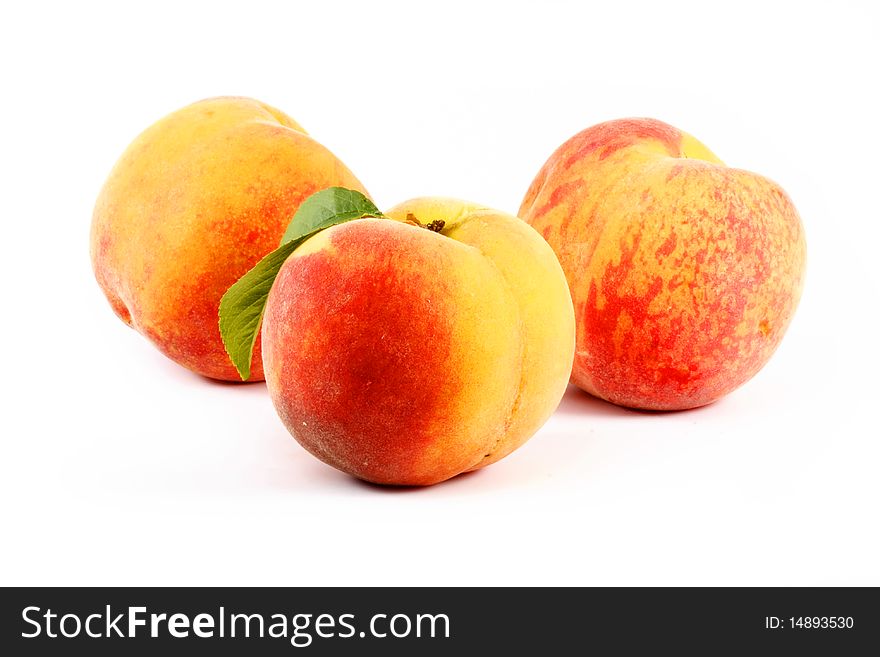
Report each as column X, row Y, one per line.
column 406, row 356
column 193, row 203
column 684, row 273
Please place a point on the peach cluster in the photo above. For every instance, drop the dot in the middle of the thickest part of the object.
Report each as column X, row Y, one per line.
column 408, row 347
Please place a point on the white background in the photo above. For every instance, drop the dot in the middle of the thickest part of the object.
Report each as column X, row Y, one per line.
column 119, row 467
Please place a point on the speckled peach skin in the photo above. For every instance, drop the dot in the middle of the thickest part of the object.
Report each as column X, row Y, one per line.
column 194, row 202
column 405, row 356
column 684, row 273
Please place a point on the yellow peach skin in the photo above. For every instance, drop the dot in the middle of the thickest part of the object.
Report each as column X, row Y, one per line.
column 684, row 273
column 194, row 202
column 406, row 356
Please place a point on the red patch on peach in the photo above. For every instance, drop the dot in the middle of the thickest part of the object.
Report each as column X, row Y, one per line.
column 612, row 136
column 360, row 381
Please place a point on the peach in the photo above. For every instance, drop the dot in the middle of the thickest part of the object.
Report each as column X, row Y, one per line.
column 684, row 273
column 406, row 356
column 193, row 203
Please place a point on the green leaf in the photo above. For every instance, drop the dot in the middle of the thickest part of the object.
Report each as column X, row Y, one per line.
column 241, row 308
column 333, row 205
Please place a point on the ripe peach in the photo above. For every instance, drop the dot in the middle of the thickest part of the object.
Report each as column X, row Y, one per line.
column 193, row 203
column 684, row 273
column 402, row 355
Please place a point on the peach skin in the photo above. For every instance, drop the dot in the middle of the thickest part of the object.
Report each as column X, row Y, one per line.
column 684, row 273
column 193, row 203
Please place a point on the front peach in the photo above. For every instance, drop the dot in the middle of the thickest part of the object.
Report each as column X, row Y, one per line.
column 405, row 356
